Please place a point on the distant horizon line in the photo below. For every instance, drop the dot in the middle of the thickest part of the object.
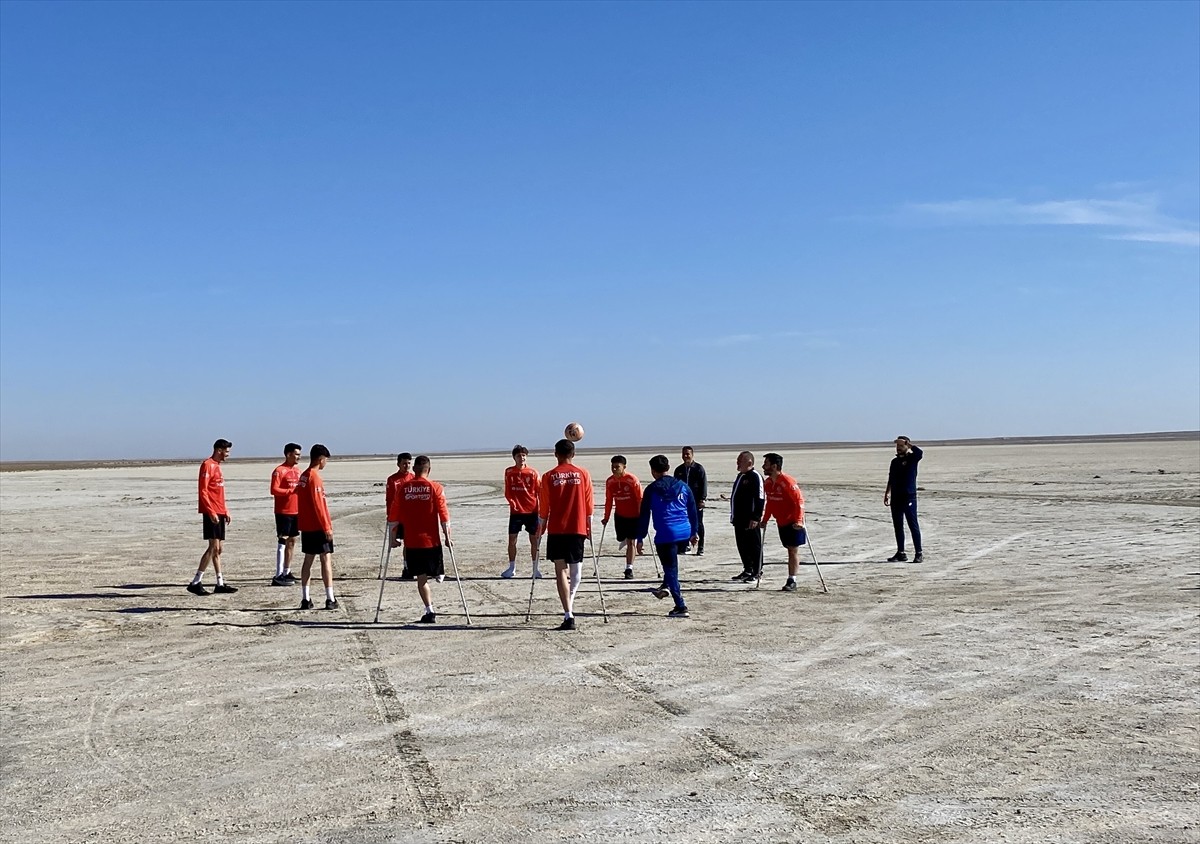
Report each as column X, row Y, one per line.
column 100, row 463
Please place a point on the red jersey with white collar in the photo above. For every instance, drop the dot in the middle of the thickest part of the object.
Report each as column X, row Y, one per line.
column 313, row 514
column 785, row 501
column 212, row 489
column 422, row 511
column 521, row 489
column 284, row 481
column 567, row 500
column 626, row 493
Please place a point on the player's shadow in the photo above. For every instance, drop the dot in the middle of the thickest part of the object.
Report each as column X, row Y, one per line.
column 69, row 596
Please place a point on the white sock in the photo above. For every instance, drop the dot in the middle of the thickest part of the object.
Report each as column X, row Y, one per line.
column 429, row 609
column 328, row 593
column 199, row 576
column 576, row 576
column 279, row 549
column 304, row 592
column 566, row 615
column 220, row 580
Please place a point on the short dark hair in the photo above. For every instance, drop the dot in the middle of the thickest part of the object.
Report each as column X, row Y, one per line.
column 774, row 459
column 659, row 463
column 620, row 458
column 519, row 449
column 564, row 448
column 687, row 448
column 402, row 456
column 290, row 447
column 222, row 444
column 421, row 464
column 318, row 451
column 906, row 439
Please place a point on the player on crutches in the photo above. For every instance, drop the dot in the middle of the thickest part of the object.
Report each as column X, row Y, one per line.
column 565, row 504
column 422, row 511
column 393, row 532
column 785, row 502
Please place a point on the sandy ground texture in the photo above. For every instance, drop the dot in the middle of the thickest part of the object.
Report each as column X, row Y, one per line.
column 1035, row 680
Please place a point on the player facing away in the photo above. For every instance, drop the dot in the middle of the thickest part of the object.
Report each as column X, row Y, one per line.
column 785, row 502
column 395, row 530
column 316, row 527
column 692, row 474
column 521, row 492
column 901, row 496
column 565, row 505
column 284, row 481
column 676, row 522
column 214, row 515
column 623, row 491
column 422, row 511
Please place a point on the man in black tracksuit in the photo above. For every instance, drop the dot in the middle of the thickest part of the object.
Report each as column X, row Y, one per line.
column 745, row 512
column 901, row 496
column 692, row 474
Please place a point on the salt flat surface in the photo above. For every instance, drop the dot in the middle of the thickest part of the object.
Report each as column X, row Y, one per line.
column 1034, row 681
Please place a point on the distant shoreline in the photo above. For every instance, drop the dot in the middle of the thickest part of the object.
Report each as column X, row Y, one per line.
column 1157, row 436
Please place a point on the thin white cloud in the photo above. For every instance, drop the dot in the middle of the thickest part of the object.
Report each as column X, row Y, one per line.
column 1130, row 218
column 809, row 341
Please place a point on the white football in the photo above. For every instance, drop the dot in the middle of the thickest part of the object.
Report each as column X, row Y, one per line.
column 573, row 432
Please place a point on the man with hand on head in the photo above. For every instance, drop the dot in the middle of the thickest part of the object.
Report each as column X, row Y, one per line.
column 214, row 516
column 746, row 504
column 676, row 521
column 785, row 502
column 692, row 474
column 316, row 527
column 423, row 512
column 625, row 491
column 521, row 493
column 900, row 495
column 284, row 481
column 565, row 504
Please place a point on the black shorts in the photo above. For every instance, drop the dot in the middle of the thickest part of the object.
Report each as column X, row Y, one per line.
column 315, row 542
column 214, row 531
column 425, row 562
column 564, row 547
column 516, row 521
column 287, row 526
column 626, row 527
column 792, row 537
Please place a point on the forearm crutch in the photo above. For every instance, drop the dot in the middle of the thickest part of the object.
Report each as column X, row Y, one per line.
column 596, row 568
column 461, row 594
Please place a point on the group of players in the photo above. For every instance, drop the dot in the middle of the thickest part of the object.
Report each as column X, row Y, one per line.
column 558, row 505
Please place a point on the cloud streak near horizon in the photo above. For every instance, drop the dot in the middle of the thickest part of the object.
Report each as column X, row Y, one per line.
column 1136, row 218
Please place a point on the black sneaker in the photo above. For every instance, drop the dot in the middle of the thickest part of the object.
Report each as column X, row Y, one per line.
column 746, row 577
column 406, row 575
column 898, row 557
column 790, row 586
column 289, row 577
column 920, row 558
column 306, row 604
column 567, row 624
column 629, row 574
column 428, row 618
column 198, row 589
column 331, row 603
column 224, row 589
column 661, row 593
column 281, row 580
column 679, row 612
column 700, row 553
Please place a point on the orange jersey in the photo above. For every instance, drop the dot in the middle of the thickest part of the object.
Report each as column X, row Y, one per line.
column 313, row 514
column 626, row 493
column 521, row 489
column 212, row 489
column 567, row 500
column 422, row 512
column 785, row 501
column 283, row 487
column 392, row 497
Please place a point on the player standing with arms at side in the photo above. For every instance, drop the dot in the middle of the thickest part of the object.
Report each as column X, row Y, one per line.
column 521, row 492
column 316, row 528
column 565, row 505
column 284, row 480
column 214, row 516
column 693, row 474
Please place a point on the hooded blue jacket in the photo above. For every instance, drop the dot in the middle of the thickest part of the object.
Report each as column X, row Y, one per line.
column 674, row 508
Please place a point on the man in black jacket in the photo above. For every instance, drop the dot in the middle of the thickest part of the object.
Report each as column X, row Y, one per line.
column 901, row 495
column 745, row 512
column 692, row 474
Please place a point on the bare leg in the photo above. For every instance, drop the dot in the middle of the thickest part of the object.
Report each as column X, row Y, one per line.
column 424, row 591
column 512, row 546
column 793, row 562
column 327, row 570
column 563, row 582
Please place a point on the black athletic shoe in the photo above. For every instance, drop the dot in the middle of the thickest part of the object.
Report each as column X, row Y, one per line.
column 746, row 577
column 407, row 575
column 920, row 558
column 661, row 593
column 331, row 603
column 428, row 618
column 306, row 604
column 790, row 586
column 898, row 557
column 198, row 589
column 679, row 612
column 289, row 577
column 700, row 553
column 567, row 624
column 281, row 580
column 629, row 574
column 224, row 589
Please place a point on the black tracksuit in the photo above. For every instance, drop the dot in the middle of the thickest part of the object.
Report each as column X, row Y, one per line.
column 745, row 506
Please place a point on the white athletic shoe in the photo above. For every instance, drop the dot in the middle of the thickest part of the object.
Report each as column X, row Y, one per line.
column 440, row 578
column 511, row 571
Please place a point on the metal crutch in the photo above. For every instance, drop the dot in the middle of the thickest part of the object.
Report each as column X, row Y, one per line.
column 596, row 568
column 808, row 541
column 458, row 580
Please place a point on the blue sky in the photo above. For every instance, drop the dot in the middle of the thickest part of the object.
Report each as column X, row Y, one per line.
column 390, row 226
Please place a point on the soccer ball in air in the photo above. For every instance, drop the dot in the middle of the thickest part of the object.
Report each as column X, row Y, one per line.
column 573, row 432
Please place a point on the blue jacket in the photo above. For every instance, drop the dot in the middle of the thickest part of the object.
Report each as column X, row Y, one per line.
column 674, row 508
